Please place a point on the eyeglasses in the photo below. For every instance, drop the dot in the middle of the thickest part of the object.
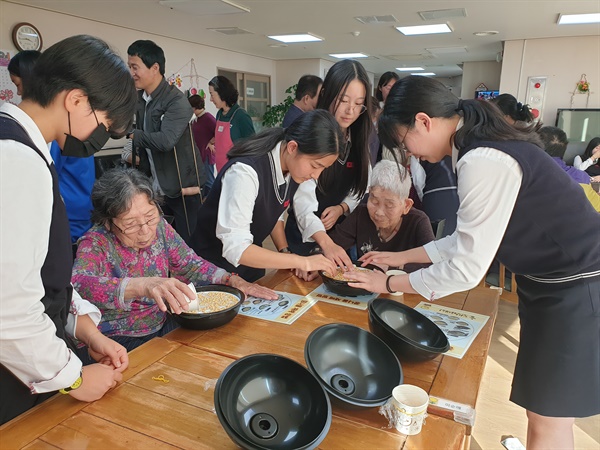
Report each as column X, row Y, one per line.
column 402, row 146
column 349, row 105
column 134, row 229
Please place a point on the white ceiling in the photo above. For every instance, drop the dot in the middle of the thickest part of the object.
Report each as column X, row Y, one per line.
column 334, row 21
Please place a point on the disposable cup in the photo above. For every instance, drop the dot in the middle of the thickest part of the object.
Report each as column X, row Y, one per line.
column 396, row 272
column 410, row 403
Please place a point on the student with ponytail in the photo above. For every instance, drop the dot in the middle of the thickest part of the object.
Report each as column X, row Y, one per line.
column 542, row 228
column 253, row 190
column 513, row 110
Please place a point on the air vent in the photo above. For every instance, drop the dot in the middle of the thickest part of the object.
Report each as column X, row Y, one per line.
column 231, row 31
column 447, row 50
column 204, row 7
column 409, row 58
column 443, row 14
column 369, row 20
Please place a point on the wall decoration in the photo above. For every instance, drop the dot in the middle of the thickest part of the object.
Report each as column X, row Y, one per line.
column 189, row 83
column 581, row 87
column 8, row 91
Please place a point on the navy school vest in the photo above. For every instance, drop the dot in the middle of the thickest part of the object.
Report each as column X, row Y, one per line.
column 271, row 202
column 553, row 231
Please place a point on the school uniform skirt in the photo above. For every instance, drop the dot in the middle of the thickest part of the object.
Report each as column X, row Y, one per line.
column 557, row 373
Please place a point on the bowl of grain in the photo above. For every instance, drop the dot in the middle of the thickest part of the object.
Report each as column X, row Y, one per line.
column 214, row 306
column 338, row 282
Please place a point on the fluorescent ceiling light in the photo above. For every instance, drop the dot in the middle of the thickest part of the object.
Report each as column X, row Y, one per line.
column 298, row 37
column 425, row 29
column 571, row 19
column 408, row 69
column 348, row 55
column 424, row 74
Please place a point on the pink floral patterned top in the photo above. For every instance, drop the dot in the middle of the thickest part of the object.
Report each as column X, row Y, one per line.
column 104, row 266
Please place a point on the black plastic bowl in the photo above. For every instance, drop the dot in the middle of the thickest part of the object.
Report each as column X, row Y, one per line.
column 341, row 287
column 410, row 334
column 353, row 365
column 214, row 319
column 268, row 401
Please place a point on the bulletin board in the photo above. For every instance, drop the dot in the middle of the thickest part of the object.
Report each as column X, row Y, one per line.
column 8, row 91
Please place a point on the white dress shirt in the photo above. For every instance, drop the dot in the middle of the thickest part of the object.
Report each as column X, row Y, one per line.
column 580, row 164
column 489, row 182
column 30, row 348
column 239, row 190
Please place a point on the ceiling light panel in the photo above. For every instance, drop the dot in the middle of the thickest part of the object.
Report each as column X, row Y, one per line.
column 409, row 69
column 574, row 19
column 425, row 29
column 424, row 74
column 297, row 37
column 348, row 55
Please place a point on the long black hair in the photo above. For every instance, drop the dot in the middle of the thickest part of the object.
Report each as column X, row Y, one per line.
column 86, row 63
column 316, row 133
column 590, row 148
column 384, row 80
column 334, row 88
column 21, row 65
column 483, row 121
column 513, row 108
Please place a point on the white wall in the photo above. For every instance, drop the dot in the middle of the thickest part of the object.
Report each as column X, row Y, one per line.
column 562, row 61
column 289, row 72
column 55, row 26
column 475, row 73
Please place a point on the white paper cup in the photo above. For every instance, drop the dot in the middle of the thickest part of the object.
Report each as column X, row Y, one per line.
column 396, row 272
column 410, row 403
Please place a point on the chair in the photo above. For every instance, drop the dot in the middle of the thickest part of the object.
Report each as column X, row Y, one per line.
column 438, row 228
column 495, row 274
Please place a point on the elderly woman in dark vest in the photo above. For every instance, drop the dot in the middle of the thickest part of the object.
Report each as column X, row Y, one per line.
column 542, row 228
column 132, row 262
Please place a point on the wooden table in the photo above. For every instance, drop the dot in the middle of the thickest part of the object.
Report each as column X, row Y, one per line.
column 145, row 413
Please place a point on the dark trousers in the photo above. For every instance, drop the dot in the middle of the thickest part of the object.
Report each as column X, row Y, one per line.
column 15, row 397
column 131, row 342
column 174, row 207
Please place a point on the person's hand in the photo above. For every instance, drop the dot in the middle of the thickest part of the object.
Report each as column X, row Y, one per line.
column 596, row 152
column 108, row 352
column 383, row 259
column 305, row 275
column 171, row 290
column 337, row 254
column 373, row 281
column 316, row 263
column 252, row 289
column 595, row 179
column 211, row 147
column 331, row 215
column 97, row 380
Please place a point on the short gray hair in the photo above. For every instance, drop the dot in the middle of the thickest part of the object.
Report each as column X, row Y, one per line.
column 113, row 193
column 391, row 176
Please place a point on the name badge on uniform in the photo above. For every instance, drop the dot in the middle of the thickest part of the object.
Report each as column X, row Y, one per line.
column 286, row 203
column 220, row 129
column 349, row 164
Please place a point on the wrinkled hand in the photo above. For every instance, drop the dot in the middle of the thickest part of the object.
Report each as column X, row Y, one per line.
column 383, row 259
column 305, row 275
column 170, row 290
column 108, row 352
column 338, row 255
column 330, row 216
column 211, row 147
column 316, row 263
column 97, row 380
column 252, row 289
column 373, row 281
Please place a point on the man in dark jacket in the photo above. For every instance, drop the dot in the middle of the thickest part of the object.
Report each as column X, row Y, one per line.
column 163, row 139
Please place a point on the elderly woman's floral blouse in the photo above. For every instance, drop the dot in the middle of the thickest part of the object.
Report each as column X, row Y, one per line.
column 104, row 266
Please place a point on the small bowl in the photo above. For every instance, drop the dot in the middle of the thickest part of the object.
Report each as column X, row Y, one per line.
column 341, row 287
column 268, row 401
column 198, row 321
column 354, row 366
column 410, row 334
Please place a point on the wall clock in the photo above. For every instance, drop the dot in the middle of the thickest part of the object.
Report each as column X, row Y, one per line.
column 26, row 37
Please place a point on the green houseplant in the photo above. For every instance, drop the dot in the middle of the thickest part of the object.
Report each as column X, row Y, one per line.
column 275, row 113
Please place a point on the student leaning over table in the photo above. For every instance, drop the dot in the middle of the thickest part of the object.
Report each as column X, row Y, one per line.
column 253, row 190
column 541, row 227
column 132, row 262
column 82, row 93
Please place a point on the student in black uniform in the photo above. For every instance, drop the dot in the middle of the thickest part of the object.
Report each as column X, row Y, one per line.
column 253, row 190
column 542, row 228
column 318, row 206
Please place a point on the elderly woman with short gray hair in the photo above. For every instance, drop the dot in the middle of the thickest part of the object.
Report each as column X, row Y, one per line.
column 132, row 262
column 388, row 222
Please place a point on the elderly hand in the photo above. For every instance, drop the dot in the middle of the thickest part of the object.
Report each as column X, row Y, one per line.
column 331, row 215
column 252, row 289
column 383, row 259
column 305, row 275
column 373, row 281
column 108, row 352
column 97, row 379
column 171, row 290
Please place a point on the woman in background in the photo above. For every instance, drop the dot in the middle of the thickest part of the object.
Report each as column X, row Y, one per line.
column 590, row 161
column 513, row 110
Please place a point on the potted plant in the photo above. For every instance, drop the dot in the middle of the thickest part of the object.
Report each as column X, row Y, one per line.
column 275, row 113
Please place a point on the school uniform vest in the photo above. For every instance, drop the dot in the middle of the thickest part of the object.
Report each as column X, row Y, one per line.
column 56, row 279
column 271, row 202
column 553, row 230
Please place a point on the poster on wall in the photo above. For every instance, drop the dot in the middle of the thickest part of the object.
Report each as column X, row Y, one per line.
column 8, row 91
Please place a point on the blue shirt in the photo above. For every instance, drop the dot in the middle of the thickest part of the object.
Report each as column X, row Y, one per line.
column 292, row 114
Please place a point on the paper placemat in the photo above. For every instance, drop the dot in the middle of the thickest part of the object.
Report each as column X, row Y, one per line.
column 286, row 309
column 322, row 294
column 460, row 327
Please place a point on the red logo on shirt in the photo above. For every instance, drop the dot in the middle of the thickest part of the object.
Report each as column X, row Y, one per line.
column 286, row 203
column 349, row 164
